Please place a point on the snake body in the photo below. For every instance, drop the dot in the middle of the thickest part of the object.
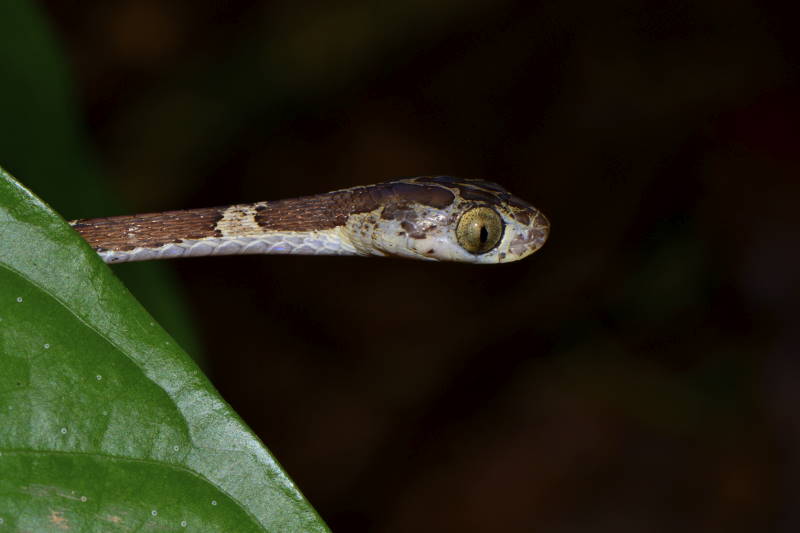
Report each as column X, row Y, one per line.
column 430, row 217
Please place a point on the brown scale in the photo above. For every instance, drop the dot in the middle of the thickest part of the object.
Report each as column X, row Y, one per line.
column 149, row 230
column 329, row 210
column 320, row 212
column 484, row 191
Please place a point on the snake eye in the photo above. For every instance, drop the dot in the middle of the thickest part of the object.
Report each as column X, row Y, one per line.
column 479, row 230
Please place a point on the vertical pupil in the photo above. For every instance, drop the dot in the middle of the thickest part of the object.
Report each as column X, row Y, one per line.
column 484, row 234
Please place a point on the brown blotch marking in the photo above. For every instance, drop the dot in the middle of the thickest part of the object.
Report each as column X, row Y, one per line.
column 399, row 212
column 149, row 230
column 326, row 211
column 393, row 212
column 522, row 217
column 485, row 191
column 412, row 230
column 423, row 194
column 542, row 221
column 477, row 195
column 323, row 211
column 470, row 189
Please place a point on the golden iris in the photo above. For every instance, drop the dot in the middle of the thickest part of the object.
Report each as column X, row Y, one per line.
column 479, row 230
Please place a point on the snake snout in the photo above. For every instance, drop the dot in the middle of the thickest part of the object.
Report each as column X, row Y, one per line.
column 530, row 238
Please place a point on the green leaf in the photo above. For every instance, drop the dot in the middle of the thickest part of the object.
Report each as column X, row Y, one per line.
column 40, row 116
column 105, row 423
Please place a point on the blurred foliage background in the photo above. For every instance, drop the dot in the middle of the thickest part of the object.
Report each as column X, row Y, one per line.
column 640, row 373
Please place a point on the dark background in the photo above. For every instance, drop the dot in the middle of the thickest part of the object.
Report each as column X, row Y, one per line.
column 639, row 373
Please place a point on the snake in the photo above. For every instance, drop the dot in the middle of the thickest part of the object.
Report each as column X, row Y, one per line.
column 435, row 218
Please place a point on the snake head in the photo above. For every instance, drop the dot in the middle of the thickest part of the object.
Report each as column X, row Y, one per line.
column 442, row 218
